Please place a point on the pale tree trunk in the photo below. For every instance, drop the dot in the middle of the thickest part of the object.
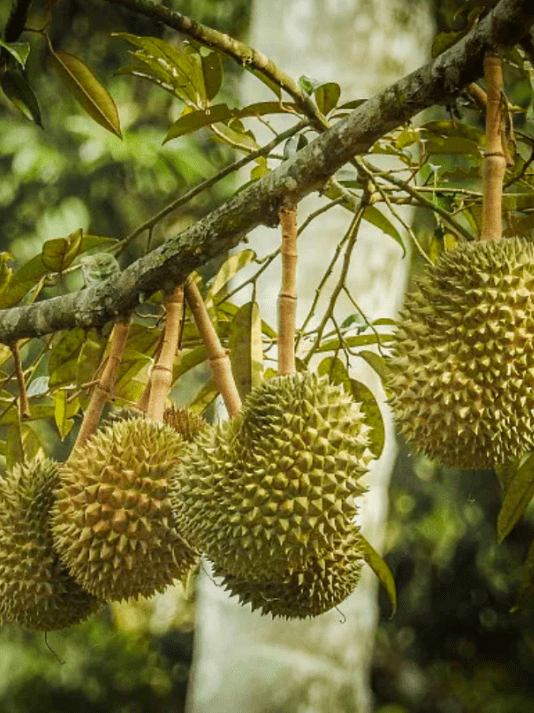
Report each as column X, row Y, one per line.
column 245, row 662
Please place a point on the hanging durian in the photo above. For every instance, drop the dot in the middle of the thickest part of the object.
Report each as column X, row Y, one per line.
column 324, row 583
column 112, row 521
column 36, row 591
column 265, row 492
column 462, row 375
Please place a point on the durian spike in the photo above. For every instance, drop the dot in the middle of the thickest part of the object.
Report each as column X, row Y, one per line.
column 161, row 376
column 24, row 405
column 219, row 357
column 494, row 157
column 105, row 384
column 288, row 298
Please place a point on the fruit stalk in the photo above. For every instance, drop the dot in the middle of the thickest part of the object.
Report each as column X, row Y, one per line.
column 105, row 384
column 24, row 404
column 495, row 157
column 287, row 299
column 161, row 376
column 219, row 357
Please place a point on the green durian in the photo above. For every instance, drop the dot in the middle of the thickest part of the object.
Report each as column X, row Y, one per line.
column 323, row 584
column 263, row 493
column 462, row 372
column 112, row 521
column 187, row 423
column 36, row 591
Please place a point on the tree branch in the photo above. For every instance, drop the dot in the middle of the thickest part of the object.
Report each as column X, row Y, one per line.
column 438, row 82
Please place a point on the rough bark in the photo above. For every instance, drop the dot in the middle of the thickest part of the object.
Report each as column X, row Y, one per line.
column 438, row 82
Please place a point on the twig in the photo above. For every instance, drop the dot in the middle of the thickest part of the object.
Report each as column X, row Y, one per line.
column 105, row 384
column 219, row 357
column 495, row 158
column 288, row 296
column 24, row 404
column 161, row 376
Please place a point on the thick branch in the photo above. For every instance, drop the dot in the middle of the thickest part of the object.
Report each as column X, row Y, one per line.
column 438, row 82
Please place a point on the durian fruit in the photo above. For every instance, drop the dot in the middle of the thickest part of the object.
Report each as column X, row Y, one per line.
column 187, row 423
column 264, row 492
column 323, row 584
column 112, row 520
column 36, row 591
column 462, row 374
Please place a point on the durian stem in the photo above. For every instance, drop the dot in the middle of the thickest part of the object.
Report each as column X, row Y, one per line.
column 24, row 404
column 495, row 157
column 288, row 296
column 161, row 376
column 105, row 384
column 219, row 357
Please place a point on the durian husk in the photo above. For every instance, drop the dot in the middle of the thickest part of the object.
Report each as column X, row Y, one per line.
column 462, row 372
column 36, row 591
column 263, row 493
column 323, row 584
column 112, row 521
column 187, row 423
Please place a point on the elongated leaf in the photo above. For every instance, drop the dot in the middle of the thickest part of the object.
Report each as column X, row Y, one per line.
column 82, row 84
column 246, row 348
column 228, row 270
column 194, row 120
column 19, row 93
column 376, row 362
column 336, row 371
column 63, row 362
column 37, row 412
column 382, row 571
column 14, row 447
column 518, row 494
column 212, row 70
column 360, row 340
column 375, row 217
column 64, row 412
column 58, row 253
column 363, row 395
column 18, row 50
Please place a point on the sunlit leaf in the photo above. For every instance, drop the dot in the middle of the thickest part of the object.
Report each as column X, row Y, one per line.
column 376, row 362
column 361, row 340
column 382, row 571
column 18, row 50
column 230, row 267
column 246, row 348
column 327, row 96
column 83, row 85
column 38, row 386
column 58, row 253
column 63, row 362
column 64, row 412
column 518, row 494
column 21, row 95
column 363, row 395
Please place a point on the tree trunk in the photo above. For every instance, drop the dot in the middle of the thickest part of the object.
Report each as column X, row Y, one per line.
column 243, row 661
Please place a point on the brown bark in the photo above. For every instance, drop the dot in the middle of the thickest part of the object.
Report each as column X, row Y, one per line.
column 288, row 295
column 219, row 357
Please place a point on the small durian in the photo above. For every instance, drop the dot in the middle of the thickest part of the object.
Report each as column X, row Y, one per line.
column 112, row 519
column 462, row 373
column 36, row 591
column 187, row 423
column 264, row 492
column 322, row 585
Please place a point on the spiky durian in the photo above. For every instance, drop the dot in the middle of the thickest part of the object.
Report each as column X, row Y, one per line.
column 462, row 374
column 323, row 584
column 187, row 423
column 112, row 520
column 36, row 591
column 263, row 493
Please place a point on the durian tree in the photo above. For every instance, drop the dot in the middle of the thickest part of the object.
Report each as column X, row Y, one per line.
column 58, row 307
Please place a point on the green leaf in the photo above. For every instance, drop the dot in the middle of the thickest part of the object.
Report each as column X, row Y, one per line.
column 6, row 273
column 221, row 113
column 363, row 395
column 376, row 362
column 308, row 84
column 189, row 360
column 443, row 40
column 228, row 270
column 64, row 412
column 273, row 86
column 336, row 371
column 204, row 397
column 83, row 85
column 212, row 69
column 246, row 348
column 361, row 340
column 375, row 217
column 327, row 96
column 382, row 571
column 518, row 494
column 63, row 362
column 21, row 95
column 58, row 253
column 90, row 358
column 18, row 50
column 14, row 447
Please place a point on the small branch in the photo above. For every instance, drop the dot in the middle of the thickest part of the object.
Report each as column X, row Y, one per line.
column 288, row 295
column 161, row 376
column 495, row 158
column 479, row 95
column 17, row 20
column 104, row 386
column 208, row 183
column 219, row 357
column 24, row 404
